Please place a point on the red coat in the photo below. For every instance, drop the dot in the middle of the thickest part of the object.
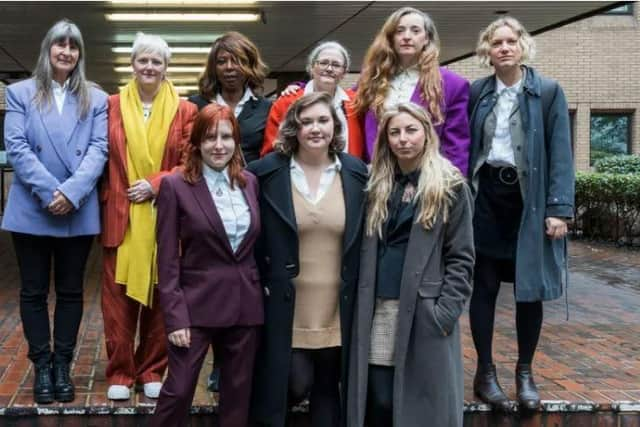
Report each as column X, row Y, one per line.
column 279, row 110
column 113, row 194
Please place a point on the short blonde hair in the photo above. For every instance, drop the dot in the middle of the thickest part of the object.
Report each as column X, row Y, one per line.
column 526, row 42
column 149, row 43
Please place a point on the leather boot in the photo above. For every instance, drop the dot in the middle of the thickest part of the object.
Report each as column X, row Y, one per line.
column 64, row 389
column 526, row 390
column 43, row 390
column 487, row 388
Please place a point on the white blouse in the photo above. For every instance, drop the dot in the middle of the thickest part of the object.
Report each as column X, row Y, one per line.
column 230, row 203
column 299, row 179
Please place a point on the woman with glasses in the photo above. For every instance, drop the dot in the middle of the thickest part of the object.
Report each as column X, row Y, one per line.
column 327, row 65
column 402, row 66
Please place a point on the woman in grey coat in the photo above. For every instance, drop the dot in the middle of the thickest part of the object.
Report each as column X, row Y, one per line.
column 416, row 261
column 521, row 171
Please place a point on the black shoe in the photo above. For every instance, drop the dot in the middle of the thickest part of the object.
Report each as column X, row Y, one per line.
column 43, row 390
column 213, row 382
column 64, row 389
column 526, row 390
column 487, row 388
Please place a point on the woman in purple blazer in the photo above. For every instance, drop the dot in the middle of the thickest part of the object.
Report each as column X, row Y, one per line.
column 55, row 132
column 208, row 223
column 402, row 65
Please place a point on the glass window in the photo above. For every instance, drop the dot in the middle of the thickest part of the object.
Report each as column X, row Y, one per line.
column 610, row 135
column 625, row 9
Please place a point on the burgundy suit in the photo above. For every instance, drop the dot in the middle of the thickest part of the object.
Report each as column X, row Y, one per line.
column 205, row 286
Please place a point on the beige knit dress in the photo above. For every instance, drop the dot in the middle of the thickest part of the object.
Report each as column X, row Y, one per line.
column 316, row 319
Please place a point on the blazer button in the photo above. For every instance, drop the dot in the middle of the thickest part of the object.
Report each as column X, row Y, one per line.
column 38, row 148
column 287, row 295
column 78, row 152
column 267, row 260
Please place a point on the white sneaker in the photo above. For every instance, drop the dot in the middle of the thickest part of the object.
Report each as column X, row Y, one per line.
column 152, row 390
column 118, row 392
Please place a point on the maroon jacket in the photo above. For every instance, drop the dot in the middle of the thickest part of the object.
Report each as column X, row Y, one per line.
column 202, row 283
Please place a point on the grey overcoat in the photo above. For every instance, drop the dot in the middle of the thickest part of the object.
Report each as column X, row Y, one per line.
column 435, row 284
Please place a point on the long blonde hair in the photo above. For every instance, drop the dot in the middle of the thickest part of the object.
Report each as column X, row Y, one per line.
column 436, row 185
column 381, row 63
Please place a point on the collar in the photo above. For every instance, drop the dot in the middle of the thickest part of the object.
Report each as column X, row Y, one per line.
column 338, row 98
column 411, row 71
column 247, row 95
column 213, row 175
column 335, row 165
column 516, row 87
column 57, row 86
column 411, row 177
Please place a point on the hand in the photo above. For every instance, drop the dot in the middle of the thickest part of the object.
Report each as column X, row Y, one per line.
column 60, row 205
column 290, row 90
column 140, row 191
column 180, row 338
column 556, row 227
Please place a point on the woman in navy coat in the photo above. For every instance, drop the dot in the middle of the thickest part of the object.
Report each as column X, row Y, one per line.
column 55, row 132
column 208, row 223
column 521, row 171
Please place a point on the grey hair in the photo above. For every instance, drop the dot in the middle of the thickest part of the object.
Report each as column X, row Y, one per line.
column 150, row 43
column 43, row 72
column 313, row 56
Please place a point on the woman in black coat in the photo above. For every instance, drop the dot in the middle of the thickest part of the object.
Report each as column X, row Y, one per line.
column 278, row 380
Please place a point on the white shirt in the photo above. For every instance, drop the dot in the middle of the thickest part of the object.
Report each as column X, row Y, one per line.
column 299, row 179
column 248, row 94
column 231, row 205
column 402, row 87
column 338, row 98
column 59, row 93
column 501, row 153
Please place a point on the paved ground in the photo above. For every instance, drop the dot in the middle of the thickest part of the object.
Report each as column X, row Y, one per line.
column 593, row 357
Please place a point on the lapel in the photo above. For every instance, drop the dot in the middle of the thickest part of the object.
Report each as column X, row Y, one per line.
column 251, row 199
column 205, row 201
column 60, row 127
column 353, row 204
column 247, row 110
column 276, row 190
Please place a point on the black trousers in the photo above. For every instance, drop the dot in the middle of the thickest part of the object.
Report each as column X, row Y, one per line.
column 315, row 374
column 380, row 397
column 35, row 255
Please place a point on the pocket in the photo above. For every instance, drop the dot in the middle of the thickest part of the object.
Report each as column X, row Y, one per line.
column 430, row 288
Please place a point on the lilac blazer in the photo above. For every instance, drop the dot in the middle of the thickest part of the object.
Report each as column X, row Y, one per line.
column 453, row 132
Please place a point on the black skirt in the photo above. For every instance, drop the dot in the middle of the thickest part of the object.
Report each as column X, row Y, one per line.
column 498, row 209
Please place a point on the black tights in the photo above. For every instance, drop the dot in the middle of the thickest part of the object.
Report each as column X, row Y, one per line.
column 380, row 396
column 488, row 274
column 315, row 374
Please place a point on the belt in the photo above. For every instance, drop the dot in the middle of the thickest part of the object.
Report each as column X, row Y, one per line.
column 507, row 175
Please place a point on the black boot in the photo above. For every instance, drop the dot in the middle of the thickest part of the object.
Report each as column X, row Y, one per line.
column 487, row 388
column 64, row 389
column 43, row 390
column 526, row 390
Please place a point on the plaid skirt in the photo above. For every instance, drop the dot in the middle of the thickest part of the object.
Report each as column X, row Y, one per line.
column 383, row 332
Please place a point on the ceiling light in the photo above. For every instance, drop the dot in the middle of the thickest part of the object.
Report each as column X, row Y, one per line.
column 182, row 2
column 207, row 38
column 189, row 17
column 175, row 49
column 176, row 69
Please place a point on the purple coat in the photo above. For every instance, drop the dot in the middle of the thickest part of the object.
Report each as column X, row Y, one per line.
column 453, row 133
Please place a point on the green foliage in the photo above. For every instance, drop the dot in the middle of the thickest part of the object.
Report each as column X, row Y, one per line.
column 608, row 205
column 619, row 164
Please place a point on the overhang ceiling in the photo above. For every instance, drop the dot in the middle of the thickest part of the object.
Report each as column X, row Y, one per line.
column 285, row 35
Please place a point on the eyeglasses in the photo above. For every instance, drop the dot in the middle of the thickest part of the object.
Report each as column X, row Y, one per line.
column 326, row 64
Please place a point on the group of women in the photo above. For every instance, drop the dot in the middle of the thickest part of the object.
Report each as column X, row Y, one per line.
column 259, row 230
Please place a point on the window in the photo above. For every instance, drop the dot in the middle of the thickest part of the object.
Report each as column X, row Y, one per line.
column 572, row 129
column 610, row 135
column 625, row 9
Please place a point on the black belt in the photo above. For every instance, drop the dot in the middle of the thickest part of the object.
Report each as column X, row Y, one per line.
column 507, row 175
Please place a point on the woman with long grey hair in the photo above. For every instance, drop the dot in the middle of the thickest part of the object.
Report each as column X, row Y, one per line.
column 56, row 138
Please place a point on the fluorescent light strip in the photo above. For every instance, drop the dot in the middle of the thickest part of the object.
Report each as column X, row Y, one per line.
column 183, row 17
column 176, row 69
column 177, row 49
column 205, row 38
column 183, row 2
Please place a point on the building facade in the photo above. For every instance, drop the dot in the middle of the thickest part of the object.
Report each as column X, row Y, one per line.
column 597, row 62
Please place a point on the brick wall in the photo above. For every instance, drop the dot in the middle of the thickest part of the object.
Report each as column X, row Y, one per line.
column 2, row 103
column 597, row 62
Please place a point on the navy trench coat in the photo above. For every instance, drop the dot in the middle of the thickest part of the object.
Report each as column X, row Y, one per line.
column 541, row 265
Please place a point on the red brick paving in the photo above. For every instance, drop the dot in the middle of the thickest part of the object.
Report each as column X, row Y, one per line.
column 593, row 357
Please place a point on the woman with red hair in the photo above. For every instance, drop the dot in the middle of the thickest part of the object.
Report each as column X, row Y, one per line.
column 209, row 290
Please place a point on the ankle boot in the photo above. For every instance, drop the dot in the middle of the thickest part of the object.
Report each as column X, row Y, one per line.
column 526, row 390
column 64, row 389
column 487, row 388
column 43, row 390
